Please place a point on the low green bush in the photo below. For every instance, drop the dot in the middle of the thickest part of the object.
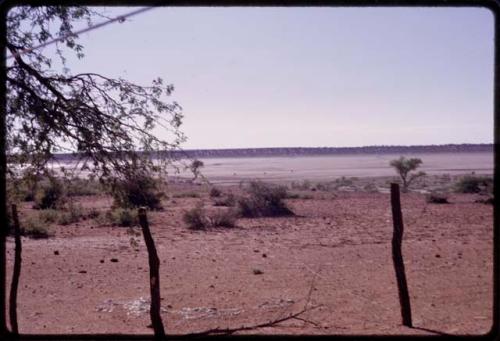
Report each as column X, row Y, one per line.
column 196, row 218
column 343, row 181
column 93, row 213
column 490, row 200
column 264, row 200
column 215, row 192
column 228, row 200
column 325, row 186
column 370, row 188
column 49, row 195
column 83, row 187
column 186, row 195
column 474, row 184
column 34, row 228
column 49, row 216
column 293, row 196
column 437, row 198
column 71, row 215
column 225, row 218
column 302, row 186
column 137, row 191
column 25, row 187
column 122, row 217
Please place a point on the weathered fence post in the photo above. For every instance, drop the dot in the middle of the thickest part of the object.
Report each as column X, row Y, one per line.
column 154, row 276
column 397, row 256
column 16, row 273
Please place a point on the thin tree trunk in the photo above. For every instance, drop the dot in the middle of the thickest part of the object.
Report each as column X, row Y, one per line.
column 154, row 276
column 16, row 272
column 397, row 256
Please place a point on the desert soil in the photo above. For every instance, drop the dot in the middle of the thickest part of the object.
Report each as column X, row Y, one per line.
column 334, row 256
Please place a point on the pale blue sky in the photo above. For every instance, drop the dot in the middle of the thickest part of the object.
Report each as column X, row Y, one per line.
column 312, row 77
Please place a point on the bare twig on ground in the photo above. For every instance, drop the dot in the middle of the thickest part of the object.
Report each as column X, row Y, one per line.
column 230, row 331
column 307, row 321
column 272, row 323
column 311, row 287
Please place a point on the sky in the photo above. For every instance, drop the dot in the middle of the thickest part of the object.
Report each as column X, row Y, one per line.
column 310, row 77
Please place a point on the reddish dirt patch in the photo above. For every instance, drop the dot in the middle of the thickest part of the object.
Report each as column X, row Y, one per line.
column 337, row 247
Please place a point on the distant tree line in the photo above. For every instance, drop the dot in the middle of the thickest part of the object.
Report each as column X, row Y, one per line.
column 303, row 151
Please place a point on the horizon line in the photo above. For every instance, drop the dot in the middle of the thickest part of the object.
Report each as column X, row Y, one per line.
column 364, row 146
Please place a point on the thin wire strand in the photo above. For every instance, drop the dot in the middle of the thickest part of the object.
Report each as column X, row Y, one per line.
column 120, row 18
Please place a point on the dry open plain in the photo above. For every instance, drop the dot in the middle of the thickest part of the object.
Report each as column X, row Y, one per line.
column 332, row 258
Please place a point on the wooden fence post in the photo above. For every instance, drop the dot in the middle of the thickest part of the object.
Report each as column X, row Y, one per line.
column 397, row 256
column 154, row 276
column 16, row 272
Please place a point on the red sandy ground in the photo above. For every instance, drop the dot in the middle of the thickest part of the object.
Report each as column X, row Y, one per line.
column 338, row 248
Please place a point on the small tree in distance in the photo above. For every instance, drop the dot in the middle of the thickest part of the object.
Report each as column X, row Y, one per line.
column 195, row 168
column 404, row 167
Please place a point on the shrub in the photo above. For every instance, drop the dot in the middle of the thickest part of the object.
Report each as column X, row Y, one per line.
column 325, row 186
column 304, row 185
column 186, row 195
column 25, row 187
column 229, row 200
column 34, row 228
column 49, row 195
column 93, row 213
column 70, row 216
column 48, row 216
column 21, row 192
column 215, row 192
column 343, row 181
column 83, row 187
column 437, row 198
column 293, row 196
column 196, row 218
column 121, row 217
column 264, row 201
column 490, row 200
column 136, row 191
column 225, row 218
column 370, row 187
column 474, row 184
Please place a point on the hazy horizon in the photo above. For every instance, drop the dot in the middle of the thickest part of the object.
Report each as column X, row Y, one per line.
column 344, row 147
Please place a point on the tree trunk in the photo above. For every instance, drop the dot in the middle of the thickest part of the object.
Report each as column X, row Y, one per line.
column 397, row 256
column 154, row 276
column 16, row 273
